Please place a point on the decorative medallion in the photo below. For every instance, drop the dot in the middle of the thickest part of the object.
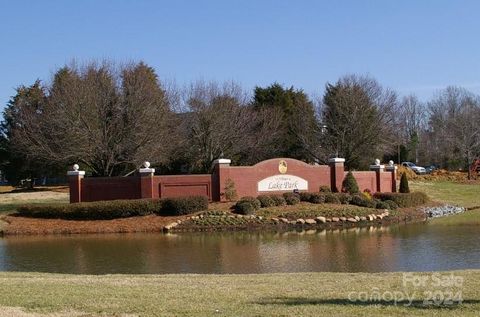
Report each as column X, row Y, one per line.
column 282, row 167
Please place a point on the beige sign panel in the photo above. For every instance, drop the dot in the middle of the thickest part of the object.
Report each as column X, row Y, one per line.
column 282, row 183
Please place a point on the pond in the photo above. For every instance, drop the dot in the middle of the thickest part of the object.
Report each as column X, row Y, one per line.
column 414, row 247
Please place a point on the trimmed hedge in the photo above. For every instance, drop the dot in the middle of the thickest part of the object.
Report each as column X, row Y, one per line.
column 247, row 205
column 113, row 209
column 331, row 198
column 404, row 200
column 182, row 205
column 266, row 201
column 362, row 201
column 279, row 200
column 305, row 196
column 344, row 198
column 291, row 198
column 317, row 198
column 325, row 189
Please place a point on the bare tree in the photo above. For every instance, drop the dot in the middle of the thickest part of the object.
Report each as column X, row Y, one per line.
column 108, row 118
column 454, row 118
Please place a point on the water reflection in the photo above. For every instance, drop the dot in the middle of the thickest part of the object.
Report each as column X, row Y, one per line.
column 416, row 247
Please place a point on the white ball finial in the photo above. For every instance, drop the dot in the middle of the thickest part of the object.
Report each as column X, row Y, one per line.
column 377, row 162
column 390, row 163
column 76, row 167
column 146, row 164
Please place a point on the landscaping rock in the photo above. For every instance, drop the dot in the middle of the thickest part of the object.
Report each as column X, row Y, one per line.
column 321, row 219
column 335, row 219
column 379, row 217
column 329, row 220
column 363, row 218
column 357, row 218
column 352, row 220
column 310, row 221
column 300, row 221
column 284, row 220
column 440, row 211
column 343, row 218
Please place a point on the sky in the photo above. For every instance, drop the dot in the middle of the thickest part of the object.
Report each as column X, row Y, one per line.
column 410, row 46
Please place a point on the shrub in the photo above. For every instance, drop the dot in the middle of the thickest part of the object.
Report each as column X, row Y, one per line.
column 344, row 198
column 183, row 205
column 404, row 200
column 391, row 204
column 291, row 198
column 381, row 204
column 254, row 201
column 325, row 189
column 367, row 193
column 266, row 201
column 404, row 184
column 349, row 184
column 360, row 200
column 317, row 198
column 244, row 207
column 230, row 191
column 247, row 205
column 305, row 196
column 278, row 200
column 98, row 210
column 331, row 198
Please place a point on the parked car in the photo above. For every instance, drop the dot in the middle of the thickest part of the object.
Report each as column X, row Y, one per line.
column 415, row 168
column 429, row 169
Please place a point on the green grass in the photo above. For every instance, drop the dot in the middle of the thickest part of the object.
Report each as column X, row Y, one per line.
column 466, row 195
column 297, row 294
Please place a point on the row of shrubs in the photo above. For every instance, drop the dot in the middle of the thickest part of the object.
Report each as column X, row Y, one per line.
column 248, row 205
column 104, row 210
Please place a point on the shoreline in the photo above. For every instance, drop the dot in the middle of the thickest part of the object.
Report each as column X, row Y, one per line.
column 207, row 221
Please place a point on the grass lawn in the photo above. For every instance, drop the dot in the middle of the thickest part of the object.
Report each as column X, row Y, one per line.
column 297, row 294
column 10, row 201
column 466, row 195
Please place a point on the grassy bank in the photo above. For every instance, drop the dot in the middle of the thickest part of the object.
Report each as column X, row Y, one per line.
column 299, row 294
column 466, row 195
column 9, row 201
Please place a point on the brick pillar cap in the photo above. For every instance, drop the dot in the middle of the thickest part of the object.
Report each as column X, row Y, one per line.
column 391, row 168
column 336, row 160
column 377, row 167
column 76, row 173
column 147, row 170
column 222, row 161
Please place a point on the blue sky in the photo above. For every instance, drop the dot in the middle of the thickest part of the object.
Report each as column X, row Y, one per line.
column 410, row 46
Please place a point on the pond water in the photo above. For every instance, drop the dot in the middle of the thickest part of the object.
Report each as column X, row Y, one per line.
column 414, row 247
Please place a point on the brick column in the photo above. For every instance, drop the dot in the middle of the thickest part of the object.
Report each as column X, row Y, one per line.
column 219, row 178
column 75, row 178
column 393, row 170
column 337, row 173
column 378, row 168
column 146, row 181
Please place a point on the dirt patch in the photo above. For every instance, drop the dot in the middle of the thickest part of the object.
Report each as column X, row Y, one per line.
column 31, row 226
column 31, row 197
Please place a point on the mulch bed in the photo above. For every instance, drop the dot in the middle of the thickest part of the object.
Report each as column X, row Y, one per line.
column 32, row 226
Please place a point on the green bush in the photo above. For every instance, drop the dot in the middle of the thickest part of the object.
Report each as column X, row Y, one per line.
column 344, row 198
column 98, row 210
column 266, row 201
column 279, row 200
column 404, row 200
column 305, row 196
column 113, row 209
column 291, row 198
column 244, row 207
column 317, row 198
column 360, row 200
column 331, row 198
column 349, row 184
column 254, row 201
column 381, row 204
column 404, row 184
column 183, row 205
column 325, row 189
column 391, row 204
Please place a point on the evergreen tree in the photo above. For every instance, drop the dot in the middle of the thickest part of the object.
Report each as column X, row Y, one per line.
column 349, row 184
column 404, row 184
